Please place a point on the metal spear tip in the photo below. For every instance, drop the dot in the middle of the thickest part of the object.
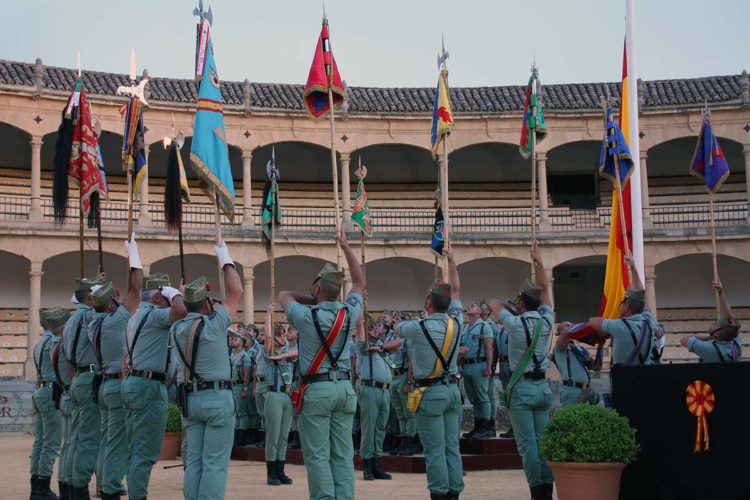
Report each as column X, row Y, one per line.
column 132, row 65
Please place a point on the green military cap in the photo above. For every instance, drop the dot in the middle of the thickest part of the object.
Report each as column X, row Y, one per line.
column 102, row 294
column 729, row 325
column 154, row 281
column 54, row 316
column 85, row 284
column 636, row 295
column 330, row 274
column 196, row 291
column 441, row 290
column 531, row 289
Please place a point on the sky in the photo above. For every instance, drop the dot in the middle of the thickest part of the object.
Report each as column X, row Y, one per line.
column 387, row 43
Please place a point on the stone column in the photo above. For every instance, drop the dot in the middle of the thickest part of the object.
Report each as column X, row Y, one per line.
column 346, row 190
column 544, row 219
column 645, row 200
column 247, row 194
column 144, row 217
column 34, row 327
column 651, row 288
column 248, row 299
column 746, row 152
column 35, row 214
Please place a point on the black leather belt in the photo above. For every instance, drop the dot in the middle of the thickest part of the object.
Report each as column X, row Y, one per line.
column 378, row 385
column 535, row 375
column 473, row 361
column 400, row 371
column 328, row 376
column 277, row 388
column 215, row 384
column 86, row 369
column 429, row 382
column 112, row 376
column 577, row 385
column 42, row 383
column 148, row 375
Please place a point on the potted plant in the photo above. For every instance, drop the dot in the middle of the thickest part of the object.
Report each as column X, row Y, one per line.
column 587, row 448
column 170, row 447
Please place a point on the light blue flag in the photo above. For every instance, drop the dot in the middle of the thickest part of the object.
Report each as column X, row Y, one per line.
column 209, row 152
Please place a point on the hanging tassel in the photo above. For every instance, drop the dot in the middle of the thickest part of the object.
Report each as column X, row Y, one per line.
column 172, row 191
column 93, row 217
column 63, row 150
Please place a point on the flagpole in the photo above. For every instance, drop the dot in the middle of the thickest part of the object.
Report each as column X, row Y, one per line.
column 182, row 251
column 713, row 248
column 273, row 254
column 533, row 193
column 217, row 225
column 364, row 267
column 334, row 170
column 98, row 216
column 618, row 187
column 80, row 234
column 445, row 197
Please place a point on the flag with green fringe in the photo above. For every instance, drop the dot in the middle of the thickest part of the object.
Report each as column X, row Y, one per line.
column 533, row 117
column 271, row 211
column 361, row 211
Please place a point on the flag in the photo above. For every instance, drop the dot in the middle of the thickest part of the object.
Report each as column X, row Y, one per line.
column 533, row 117
column 176, row 189
column 209, row 153
column 133, row 143
column 271, row 211
column 324, row 74
column 614, row 154
column 442, row 113
column 361, row 211
column 95, row 205
column 709, row 163
column 437, row 232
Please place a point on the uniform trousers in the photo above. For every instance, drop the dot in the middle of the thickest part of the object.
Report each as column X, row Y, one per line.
column 475, row 385
column 374, row 407
column 278, row 415
column 114, row 445
column 86, row 429
column 529, row 414
column 407, row 424
column 47, row 432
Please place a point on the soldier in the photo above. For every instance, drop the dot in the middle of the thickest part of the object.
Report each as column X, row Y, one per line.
column 144, row 393
column 722, row 344
column 328, row 400
column 291, row 339
column 435, row 343
column 529, row 395
column 494, row 360
column 476, row 347
column 278, row 404
column 374, row 371
column 86, row 418
column 240, row 385
column 252, row 436
column 200, row 340
column 64, row 376
column 401, row 386
column 47, row 420
column 573, row 363
column 107, row 336
column 261, row 386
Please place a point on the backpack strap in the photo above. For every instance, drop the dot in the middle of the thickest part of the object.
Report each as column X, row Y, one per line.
column 131, row 347
column 325, row 346
column 637, row 342
column 451, row 338
column 192, row 341
column 536, row 361
column 73, row 362
column 521, row 368
column 98, row 342
column 38, row 362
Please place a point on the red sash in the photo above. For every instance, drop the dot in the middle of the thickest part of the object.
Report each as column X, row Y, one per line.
column 338, row 324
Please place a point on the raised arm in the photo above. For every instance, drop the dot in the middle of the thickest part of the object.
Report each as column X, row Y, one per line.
column 724, row 308
column 453, row 277
column 562, row 335
column 541, row 274
column 270, row 334
column 231, row 278
column 133, row 297
column 286, row 297
column 355, row 269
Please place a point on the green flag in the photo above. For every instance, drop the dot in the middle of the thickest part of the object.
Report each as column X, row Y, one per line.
column 533, row 118
column 361, row 211
column 271, row 212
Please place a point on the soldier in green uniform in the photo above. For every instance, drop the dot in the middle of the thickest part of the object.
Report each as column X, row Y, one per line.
column 240, row 385
column 107, row 336
column 374, row 371
column 47, row 420
column 64, row 376
column 477, row 347
column 252, row 436
column 573, row 363
column 400, row 388
column 435, row 343
column 494, row 358
column 144, row 393
column 278, row 404
column 291, row 338
column 328, row 399
column 200, row 340
column 722, row 344
column 530, row 396
column 86, row 418
column 261, row 386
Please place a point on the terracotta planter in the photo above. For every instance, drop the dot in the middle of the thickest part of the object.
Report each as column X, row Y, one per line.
column 595, row 481
column 170, row 446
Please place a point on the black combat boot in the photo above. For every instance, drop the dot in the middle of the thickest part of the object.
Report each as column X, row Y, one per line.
column 508, row 434
column 43, row 491
column 472, row 432
column 538, row 492
column 485, row 430
column 81, row 493
column 110, row 496
column 272, row 476
column 34, row 487
column 280, row 473
column 548, row 489
column 451, row 495
column 64, row 490
column 294, row 442
column 377, row 469
column 367, row 471
column 438, row 496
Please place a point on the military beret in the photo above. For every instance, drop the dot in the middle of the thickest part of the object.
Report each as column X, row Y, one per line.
column 531, row 289
column 102, row 294
column 196, row 291
column 85, row 284
column 729, row 325
column 54, row 316
column 154, row 281
column 330, row 274
column 441, row 290
column 636, row 295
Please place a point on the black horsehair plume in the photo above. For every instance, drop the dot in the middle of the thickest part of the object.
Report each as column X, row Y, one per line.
column 94, row 218
column 63, row 150
column 172, row 191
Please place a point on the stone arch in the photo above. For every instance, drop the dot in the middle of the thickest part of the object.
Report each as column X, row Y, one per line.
column 399, row 283
column 395, row 163
column 573, row 176
column 298, row 162
column 158, row 157
column 293, row 272
column 61, row 270
column 488, row 162
column 578, row 286
column 492, row 277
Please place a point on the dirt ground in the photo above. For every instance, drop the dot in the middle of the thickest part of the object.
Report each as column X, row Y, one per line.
column 247, row 480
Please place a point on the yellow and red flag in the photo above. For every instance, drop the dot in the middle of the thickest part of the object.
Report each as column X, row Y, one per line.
column 442, row 112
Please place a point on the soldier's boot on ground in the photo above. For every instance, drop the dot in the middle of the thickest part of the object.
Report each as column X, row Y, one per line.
column 508, row 434
column 438, row 496
column 40, row 489
column 548, row 489
column 261, row 442
column 81, row 493
column 410, row 448
column 388, row 446
column 64, row 490
column 472, row 432
column 485, row 429
column 272, row 476
column 451, row 495
column 294, row 442
column 34, row 487
column 539, row 492
column 397, row 447
column 377, row 470
column 110, row 496
column 367, row 471
column 280, row 473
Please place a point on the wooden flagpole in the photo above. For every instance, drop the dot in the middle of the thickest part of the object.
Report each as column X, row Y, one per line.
column 80, row 235
column 364, row 266
column 182, row 251
column 713, row 249
column 444, row 198
column 533, row 193
column 334, row 168
column 98, row 216
column 217, row 225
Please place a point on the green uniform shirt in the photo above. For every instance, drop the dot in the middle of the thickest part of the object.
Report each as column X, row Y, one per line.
column 239, row 362
column 570, row 367
column 272, row 370
column 62, row 365
column 43, row 356
column 424, row 358
column 82, row 354
column 371, row 365
column 308, row 342
column 151, row 348
column 112, row 338
column 211, row 362
column 622, row 340
column 401, row 355
column 517, row 342
column 473, row 337
column 729, row 350
column 501, row 343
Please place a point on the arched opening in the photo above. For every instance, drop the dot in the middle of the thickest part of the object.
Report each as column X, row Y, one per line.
column 61, row 271
column 496, row 162
column 16, row 150
column 573, row 175
column 195, row 265
column 492, row 277
column 398, row 283
column 578, row 286
column 15, row 290
column 292, row 273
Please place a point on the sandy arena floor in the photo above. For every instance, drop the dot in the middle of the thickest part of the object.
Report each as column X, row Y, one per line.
column 247, row 480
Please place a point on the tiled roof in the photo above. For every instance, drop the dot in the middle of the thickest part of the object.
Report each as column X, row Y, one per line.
column 272, row 96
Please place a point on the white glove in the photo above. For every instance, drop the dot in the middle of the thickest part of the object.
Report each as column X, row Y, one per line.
column 169, row 293
column 222, row 253
column 73, row 299
column 132, row 248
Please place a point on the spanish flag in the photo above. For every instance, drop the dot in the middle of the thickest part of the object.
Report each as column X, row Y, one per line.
column 442, row 113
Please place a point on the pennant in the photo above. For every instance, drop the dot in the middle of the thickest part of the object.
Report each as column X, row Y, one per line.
column 438, row 232
column 133, row 142
column 209, row 153
column 361, row 210
column 709, row 163
column 324, row 74
column 533, row 118
column 271, row 210
column 442, row 113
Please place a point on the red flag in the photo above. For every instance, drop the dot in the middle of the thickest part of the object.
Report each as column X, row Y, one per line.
column 323, row 74
column 84, row 159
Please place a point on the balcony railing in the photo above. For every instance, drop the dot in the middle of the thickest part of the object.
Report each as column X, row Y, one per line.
column 405, row 220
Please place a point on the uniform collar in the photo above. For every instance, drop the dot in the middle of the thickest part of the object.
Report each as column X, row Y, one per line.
column 329, row 306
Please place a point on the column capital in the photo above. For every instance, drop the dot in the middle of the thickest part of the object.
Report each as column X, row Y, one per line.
column 345, row 157
column 247, row 154
column 541, row 156
column 36, row 140
column 644, row 154
column 35, row 268
column 746, row 148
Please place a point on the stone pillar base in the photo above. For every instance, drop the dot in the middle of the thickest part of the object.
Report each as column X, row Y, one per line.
column 36, row 215
column 545, row 226
column 247, row 223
